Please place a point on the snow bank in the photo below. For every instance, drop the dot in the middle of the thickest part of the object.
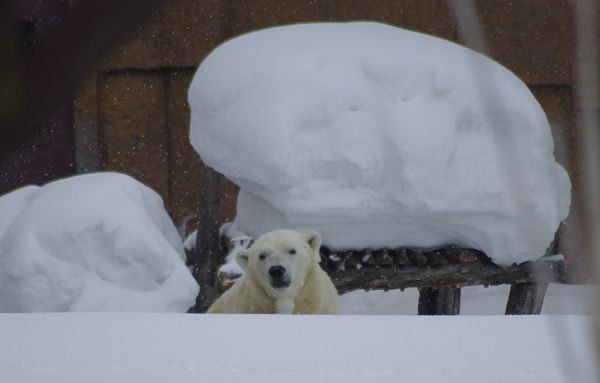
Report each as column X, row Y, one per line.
column 379, row 137
column 98, row 242
column 149, row 348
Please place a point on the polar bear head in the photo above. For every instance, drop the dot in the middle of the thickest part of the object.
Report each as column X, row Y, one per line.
column 280, row 260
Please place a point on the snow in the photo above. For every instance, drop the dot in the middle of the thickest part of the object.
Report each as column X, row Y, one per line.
column 379, row 137
column 372, row 135
column 97, row 242
column 475, row 300
column 103, row 242
column 231, row 266
column 132, row 347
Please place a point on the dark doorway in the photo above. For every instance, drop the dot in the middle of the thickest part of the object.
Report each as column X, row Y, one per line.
column 51, row 152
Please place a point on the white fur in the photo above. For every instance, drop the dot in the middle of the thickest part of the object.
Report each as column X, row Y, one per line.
column 307, row 289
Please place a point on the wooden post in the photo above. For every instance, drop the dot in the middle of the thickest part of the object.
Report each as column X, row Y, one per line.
column 526, row 298
column 206, row 253
column 439, row 301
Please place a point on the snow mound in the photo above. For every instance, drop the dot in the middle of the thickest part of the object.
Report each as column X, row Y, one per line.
column 97, row 242
column 379, row 137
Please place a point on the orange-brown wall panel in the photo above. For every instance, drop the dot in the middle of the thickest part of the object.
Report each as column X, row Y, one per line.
column 133, row 130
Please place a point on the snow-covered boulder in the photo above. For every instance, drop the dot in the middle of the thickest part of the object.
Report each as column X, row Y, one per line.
column 97, row 242
column 379, row 137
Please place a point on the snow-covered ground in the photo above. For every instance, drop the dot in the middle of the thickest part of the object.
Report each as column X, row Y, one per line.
column 475, row 300
column 148, row 348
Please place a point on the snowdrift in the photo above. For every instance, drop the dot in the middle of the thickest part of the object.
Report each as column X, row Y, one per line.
column 158, row 348
column 98, row 242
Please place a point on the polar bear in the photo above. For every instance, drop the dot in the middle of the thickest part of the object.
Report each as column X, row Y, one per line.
column 283, row 276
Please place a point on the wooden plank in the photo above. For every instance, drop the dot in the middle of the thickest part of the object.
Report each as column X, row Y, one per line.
column 206, row 257
column 526, row 298
column 439, row 301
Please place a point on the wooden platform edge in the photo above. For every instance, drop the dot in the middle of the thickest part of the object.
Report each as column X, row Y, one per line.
column 452, row 275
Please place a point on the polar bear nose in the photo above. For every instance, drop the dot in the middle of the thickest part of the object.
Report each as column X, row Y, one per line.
column 276, row 272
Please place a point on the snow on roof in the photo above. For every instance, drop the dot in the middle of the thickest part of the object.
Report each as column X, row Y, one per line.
column 379, row 137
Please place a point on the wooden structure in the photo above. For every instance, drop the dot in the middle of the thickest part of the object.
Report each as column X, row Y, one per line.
column 132, row 115
column 439, row 274
column 207, row 255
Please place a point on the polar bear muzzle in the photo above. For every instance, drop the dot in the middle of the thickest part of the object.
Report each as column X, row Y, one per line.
column 278, row 277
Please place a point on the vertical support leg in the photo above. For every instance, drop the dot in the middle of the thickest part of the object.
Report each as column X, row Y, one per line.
column 439, row 301
column 427, row 301
column 449, row 300
column 526, row 298
column 206, row 255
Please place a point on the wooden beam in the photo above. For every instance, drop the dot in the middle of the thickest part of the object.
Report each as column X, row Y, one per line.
column 450, row 274
column 206, row 257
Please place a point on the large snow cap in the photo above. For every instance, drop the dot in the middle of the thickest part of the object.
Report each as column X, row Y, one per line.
column 379, row 137
column 98, row 242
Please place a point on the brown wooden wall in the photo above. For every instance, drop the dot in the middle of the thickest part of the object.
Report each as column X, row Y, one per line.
column 132, row 115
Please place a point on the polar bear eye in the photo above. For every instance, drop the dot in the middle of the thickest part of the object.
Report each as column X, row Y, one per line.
column 292, row 252
column 262, row 257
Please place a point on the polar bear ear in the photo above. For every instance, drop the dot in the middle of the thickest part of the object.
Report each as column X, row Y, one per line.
column 314, row 241
column 242, row 258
